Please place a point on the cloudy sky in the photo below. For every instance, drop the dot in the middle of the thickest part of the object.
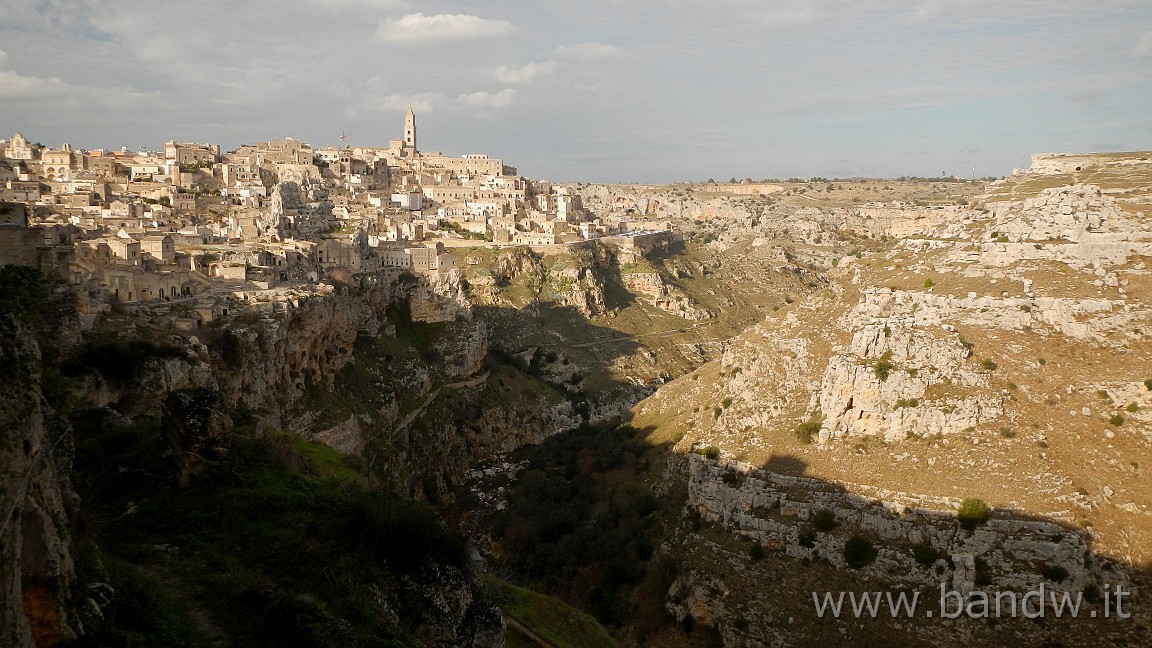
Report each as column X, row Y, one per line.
column 598, row 90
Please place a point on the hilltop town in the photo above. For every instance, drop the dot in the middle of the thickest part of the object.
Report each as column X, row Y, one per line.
column 643, row 401
column 259, row 226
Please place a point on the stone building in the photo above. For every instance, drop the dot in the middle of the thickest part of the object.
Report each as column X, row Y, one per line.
column 19, row 148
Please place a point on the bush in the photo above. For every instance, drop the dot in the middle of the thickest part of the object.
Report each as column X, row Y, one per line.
column 1007, row 432
column 710, row 452
column 925, row 554
column 1133, row 407
column 1054, row 573
column 1116, row 419
column 989, row 364
column 756, row 551
column 883, row 366
column 928, row 283
column 973, row 512
column 859, row 552
column 824, row 520
column 809, row 429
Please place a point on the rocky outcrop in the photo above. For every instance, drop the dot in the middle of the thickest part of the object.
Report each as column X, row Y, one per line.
column 880, row 384
column 451, row 614
column 777, row 511
column 440, row 297
column 663, row 296
column 579, row 286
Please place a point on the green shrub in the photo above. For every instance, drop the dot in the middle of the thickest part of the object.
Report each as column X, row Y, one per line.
column 1054, row 573
column 1116, row 419
column 1133, row 407
column 824, row 520
column 973, row 512
column 928, row 283
column 925, row 554
column 710, row 452
column 1007, row 432
column 1100, row 393
column 859, row 552
column 883, row 366
column 909, row 402
column 806, row 431
column 989, row 364
column 756, row 551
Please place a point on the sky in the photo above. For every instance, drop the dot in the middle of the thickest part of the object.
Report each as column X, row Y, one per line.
column 597, row 90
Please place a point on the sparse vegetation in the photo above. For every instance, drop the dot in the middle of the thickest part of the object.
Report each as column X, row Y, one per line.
column 925, row 554
column 883, row 367
column 989, row 364
column 1054, row 573
column 708, row 452
column 1116, row 420
column 859, row 552
column 1132, row 407
column 806, row 431
column 756, row 551
column 824, row 520
column 972, row 513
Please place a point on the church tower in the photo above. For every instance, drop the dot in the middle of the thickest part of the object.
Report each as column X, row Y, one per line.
column 410, row 129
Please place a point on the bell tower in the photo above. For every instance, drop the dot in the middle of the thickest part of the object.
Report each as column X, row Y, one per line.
column 410, row 130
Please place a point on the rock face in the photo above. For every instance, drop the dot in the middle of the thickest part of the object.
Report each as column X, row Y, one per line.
column 36, row 568
column 452, row 616
column 777, row 511
column 880, row 384
column 651, row 285
column 441, row 298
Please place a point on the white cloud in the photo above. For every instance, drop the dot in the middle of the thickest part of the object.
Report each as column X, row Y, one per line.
column 420, row 102
column 418, row 27
column 587, row 51
column 1144, row 47
column 525, row 73
column 14, row 85
column 486, row 100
